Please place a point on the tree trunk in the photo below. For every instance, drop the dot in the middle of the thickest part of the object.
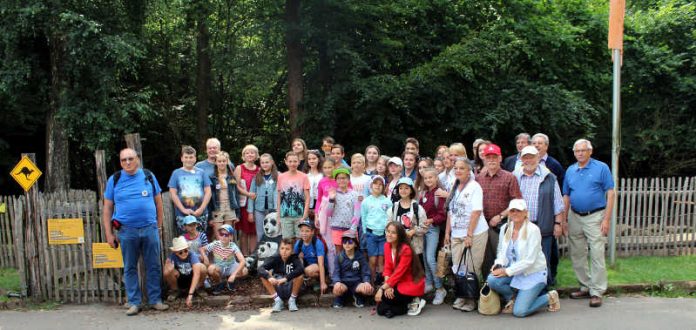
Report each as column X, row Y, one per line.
column 203, row 77
column 57, row 148
column 294, row 54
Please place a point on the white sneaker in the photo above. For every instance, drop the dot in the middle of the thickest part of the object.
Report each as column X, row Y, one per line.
column 458, row 303
column 440, row 295
column 277, row 306
column 292, row 305
column 417, row 308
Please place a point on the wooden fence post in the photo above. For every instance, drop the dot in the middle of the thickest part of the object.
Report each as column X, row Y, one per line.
column 31, row 231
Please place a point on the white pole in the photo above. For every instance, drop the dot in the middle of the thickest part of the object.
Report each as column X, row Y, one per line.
column 615, row 148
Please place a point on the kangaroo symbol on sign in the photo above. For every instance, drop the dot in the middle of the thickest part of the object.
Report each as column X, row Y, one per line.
column 26, row 171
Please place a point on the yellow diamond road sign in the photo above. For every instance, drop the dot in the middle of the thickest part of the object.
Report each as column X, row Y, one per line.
column 26, row 173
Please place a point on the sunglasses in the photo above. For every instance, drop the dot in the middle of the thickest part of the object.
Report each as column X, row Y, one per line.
column 182, row 252
column 129, row 159
column 224, row 234
column 348, row 241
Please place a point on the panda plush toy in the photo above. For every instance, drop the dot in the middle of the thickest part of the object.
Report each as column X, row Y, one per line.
column 268, row 245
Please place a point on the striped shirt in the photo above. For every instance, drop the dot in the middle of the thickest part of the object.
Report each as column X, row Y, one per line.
column 529, row 185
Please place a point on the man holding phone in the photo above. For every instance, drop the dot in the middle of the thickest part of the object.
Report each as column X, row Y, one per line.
column 133, row 202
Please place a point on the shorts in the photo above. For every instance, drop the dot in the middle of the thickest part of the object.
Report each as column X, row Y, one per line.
column 284, row 290
column 288, row 227
column 337, row 235
column 226, row 271
column 221, row 216
column 183, row 282
column 375, row 244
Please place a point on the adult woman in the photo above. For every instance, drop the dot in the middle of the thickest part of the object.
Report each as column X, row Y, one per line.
column 466, row 226
column 521, row 265
column 479, row 146
column 404, row 280
column 245, row 174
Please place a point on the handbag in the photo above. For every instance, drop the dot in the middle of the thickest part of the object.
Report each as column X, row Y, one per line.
column 443, row 261
column 489, row 301
column 466, row 284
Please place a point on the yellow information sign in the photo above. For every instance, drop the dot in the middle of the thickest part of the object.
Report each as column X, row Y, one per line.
column 65, row 231
column 3, row 208
column 103, row 256
column 26, row 173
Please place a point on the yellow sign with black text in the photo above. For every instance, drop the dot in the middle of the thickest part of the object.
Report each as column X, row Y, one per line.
column 104, row 256
column 65, row 231
column 26, row 173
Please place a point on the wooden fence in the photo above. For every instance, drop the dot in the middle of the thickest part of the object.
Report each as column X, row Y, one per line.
column 656, row 216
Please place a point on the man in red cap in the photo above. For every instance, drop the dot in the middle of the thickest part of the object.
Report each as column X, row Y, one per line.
column 499, row 188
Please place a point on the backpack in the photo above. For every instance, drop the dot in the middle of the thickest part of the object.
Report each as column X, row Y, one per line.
column 148, row 177
column 414, row 206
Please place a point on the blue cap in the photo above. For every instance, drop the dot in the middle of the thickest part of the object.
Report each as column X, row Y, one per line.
column 306, row 222
column 227, row 228
column 405, row 180
column 189, row 219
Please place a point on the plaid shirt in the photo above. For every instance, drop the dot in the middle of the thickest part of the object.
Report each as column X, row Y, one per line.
column 529, row 184
column 498, row 190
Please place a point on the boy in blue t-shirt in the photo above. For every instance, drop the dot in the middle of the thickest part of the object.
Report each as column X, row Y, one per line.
column 311, row 251
column 190, row 190
column 183, row 270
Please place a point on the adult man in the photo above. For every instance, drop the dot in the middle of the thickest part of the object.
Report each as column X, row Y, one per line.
column 499, row 188
column 541, row 191
column 134, row 203
column 588, row 193
column 212, row 148
column 511, row 163
column 541, row 142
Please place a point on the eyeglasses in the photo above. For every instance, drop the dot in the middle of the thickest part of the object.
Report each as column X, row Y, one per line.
column 224, row 234
column 581, row 150
column 127, row 160
column 182, row 252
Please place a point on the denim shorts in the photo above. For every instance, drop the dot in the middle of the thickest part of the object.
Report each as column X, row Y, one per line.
column 226, row 271
column 375, row 244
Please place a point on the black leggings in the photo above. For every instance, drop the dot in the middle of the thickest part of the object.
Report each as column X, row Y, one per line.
column 392, row 307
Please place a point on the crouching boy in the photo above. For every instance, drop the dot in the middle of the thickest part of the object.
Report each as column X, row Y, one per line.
column 228, row 262
column 310, row 250
column 281, row 276
column 351, row 274
column 183, row 270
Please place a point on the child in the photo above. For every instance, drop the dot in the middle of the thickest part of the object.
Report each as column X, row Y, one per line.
column 293, row 197
column 407, row 212
column 403, row 276
column 189, row 188
column 281, row 276
column 299, row 147
column 435, row 212
column 196, row 240
column 326, row 183
column 337, row 153
column 410, row 170
column 423, row 163
column 439, row 165
column 314, row 174
column 326, row 144
column 373, row 216
column 228, row 262
column 264, row 187
column 371, row 159
column 395, row 166
column 311, row 251
column 224, row 205
column 358, row 180
column 245, row 174
column 183, row 270
column 351, row 273
column 382, row 166
column 342, row 208
column 412, row 145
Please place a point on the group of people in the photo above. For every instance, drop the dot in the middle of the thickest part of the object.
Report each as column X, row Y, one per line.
column 371, row 227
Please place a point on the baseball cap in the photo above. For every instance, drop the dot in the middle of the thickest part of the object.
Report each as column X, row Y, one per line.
column 349, row 234
column 395, row 160
column 306, row 222
column 378, row 177
column 518, row 204
column 189, row 219
column 227, row 228
column 405, row 180
column 491, row 149
column 529, row 150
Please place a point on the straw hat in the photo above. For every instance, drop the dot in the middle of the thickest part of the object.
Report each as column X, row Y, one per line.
column 178, row 244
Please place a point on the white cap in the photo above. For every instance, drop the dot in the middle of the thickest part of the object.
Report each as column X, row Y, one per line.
column 395, row 160
column 518, row 204
column 529, row 150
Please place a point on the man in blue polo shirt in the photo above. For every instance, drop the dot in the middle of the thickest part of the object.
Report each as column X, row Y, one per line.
column 588, row 193
column 134, row 204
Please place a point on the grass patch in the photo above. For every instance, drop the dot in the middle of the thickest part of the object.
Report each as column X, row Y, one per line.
column 9, row 280
column 637, row 270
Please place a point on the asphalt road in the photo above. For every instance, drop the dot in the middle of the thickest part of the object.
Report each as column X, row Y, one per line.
column 617, row 313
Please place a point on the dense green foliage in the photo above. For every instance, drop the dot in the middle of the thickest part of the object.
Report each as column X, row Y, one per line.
column 374, row 73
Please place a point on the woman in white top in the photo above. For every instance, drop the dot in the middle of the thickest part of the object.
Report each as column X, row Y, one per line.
column 521, row 265
column 466, row 225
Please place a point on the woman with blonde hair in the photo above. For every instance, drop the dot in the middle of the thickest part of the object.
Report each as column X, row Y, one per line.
column 521, row 265
column 245, row 174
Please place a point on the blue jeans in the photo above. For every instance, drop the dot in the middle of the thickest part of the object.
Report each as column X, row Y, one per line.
column 549, row 245
column 143, row 241
column 432, row 236
column 527, row 301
